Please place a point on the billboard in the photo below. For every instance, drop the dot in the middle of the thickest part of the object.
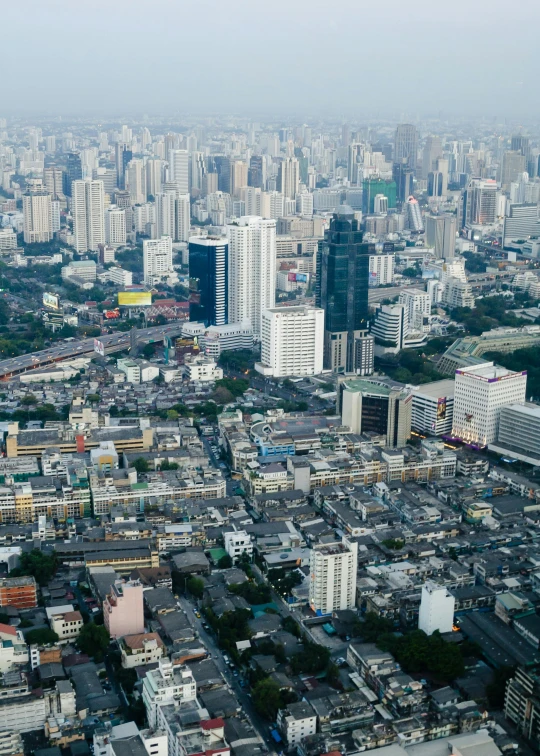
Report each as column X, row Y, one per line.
column 301, row 277
column 441, row 408
column 291, row 277
column 111, row 314
column 373, row 278
column 99, row 348
column 134, row 298
column 51, row 300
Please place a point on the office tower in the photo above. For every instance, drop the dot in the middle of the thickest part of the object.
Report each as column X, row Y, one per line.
column 256, row 172
column 72, row 172
column 389, row 328
column 342, row 288
column 414, row 216
column 304, row 204
column 115, row 226
column 157, row 260
column 239, row 177
column 88, row 210
column 136, row 181
column 292, row 342
column 123, row 156
column 406, row 144
column 436, row 609
column 518, row 436
column 368, row 407
column 432, row 151
column 197, row 169
column 333, row 569
column 480, row 393
column 417, row 305
column 441, row 234
column 179, row 169
column 371, row 187
column 108, row 176
column 354, row 162
column 380, row 204
column 513, row 164
column 252, row 270
column 154, row 170
column 37, row 213
column 209, row 272
column 223, row 169
column 183, row 217
column 520, row 143
column 288, row 177
column 404, row 178
column 53, row 178
column 479, row 204
column 520, row 223
column 345, row 135
column 433, row 408
column 438, row 179
column 364, row 353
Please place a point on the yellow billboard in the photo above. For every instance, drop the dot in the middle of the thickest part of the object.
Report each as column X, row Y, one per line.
column 134, row 298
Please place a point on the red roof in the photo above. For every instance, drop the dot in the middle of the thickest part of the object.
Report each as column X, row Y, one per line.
column 212, row 724
column 7, row 629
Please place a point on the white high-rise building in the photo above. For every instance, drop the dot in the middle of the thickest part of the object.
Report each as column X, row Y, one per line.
column 381, row 269
column 136, row 181
column 414, row 215
column 115, row 226
column 179, row 169
column 480, row 393
column 436, row 609
column 197, row 170
column 333, row 569
column 272, row 205
column 168, row 684
column 380, row 204
column 289, row 177
column 88, row 210
column 157, row 260
column 252, row 198
column 390, row 328
column 154, row 176
column 183, row 217
column 55, row 216
column 417, row 304
column 166, row 214
column 37, row 213
column 292, row 341
column 252, row 270
column 441, row 234
column 304, row 204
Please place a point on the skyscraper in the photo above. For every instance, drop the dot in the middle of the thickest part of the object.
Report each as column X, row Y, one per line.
column 432, row 151
column 88, row 210
column 288, row 177
column 438, row 179
column 355, row 160
column 291, row 341
column 255, row 173
column 154, row 176
column 342, row 288
column 441, row 234
column 157, row 260
column 414, row 216
column 239, row 177
column 135, row 181
column 37, row 211
column 209, row 270
column 222, row 165
column 73, row 172
column 179, row 169
column 53, row 178
column 123, row 156
column 183, row 217
column 479, row 205
column 166, row 214
column 252, row 269
column 513, row 164
column 403, row 176
column 115, row 226
column 406, row 144
column 333, row 568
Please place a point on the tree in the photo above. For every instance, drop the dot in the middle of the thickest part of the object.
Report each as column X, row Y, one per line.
column 266, row 697
column 93, row 640
column 28, row 399
column 141, row 465
column 41, row 636
column 166, row 465
column 235, row 386
column 93, row 398
column 224, row 562
column 196, row 587
column 172, row 414
column 40, row 565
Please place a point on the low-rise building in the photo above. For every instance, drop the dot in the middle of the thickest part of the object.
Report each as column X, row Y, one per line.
column 296, row 722
column 140, row 649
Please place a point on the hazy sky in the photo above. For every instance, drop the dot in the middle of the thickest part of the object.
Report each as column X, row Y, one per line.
column 335, row 57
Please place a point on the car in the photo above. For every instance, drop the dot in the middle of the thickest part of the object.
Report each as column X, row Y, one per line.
column 198, row 615
column 235, row 673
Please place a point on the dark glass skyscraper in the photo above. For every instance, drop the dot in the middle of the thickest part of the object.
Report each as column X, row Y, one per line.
column 223, row 169
column 255, row 173
column 342, row 288
column 72, row 172
column 208, row 273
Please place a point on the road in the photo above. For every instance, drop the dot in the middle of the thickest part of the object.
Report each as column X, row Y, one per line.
column 114, row 342
column 261, row 726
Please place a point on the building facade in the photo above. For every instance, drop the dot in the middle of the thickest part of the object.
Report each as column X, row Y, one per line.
column 292, row 342
column 209, row 271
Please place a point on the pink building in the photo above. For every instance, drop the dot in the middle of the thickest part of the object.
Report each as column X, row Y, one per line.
column 123, row 610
